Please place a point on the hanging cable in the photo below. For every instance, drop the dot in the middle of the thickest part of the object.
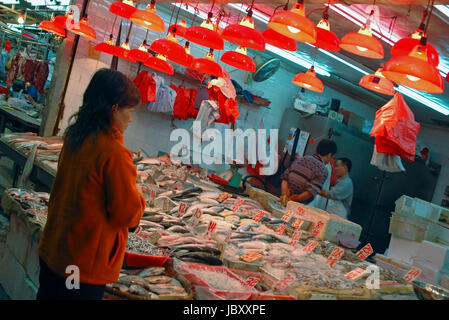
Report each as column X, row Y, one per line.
column 171, row 17
column 428, row 18
column 196, row 12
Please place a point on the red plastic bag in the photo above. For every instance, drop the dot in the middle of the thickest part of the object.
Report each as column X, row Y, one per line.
column 395, row 129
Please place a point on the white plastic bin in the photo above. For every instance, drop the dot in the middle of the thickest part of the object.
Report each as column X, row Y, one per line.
column 408, row 227
column 405, row 205
column 427, row 210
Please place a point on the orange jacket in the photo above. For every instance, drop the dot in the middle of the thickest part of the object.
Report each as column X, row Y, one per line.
column 93, row 202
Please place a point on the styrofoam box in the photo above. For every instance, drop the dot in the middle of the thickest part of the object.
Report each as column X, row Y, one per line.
column 405, row 204
column 402, row 249
column 435, row 254
column 428, row 274
column 444, row 280
column 408, row 227
column 332, row 223
column 427, row 210
column 437, row 232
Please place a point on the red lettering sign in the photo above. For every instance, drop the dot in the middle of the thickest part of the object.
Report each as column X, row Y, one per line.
column 258, row 216
column 355, row 274
column 238, row 203
column 210, row 230
column 365, row 252
column 412, row 274
column 317, row 228
column 251, row 282
column 287, row 215
column 196, row 217
column 295, row 238
column 297, row 224
column 281, row 229
column 182, row 209
column 310, row 246
column 336, row 255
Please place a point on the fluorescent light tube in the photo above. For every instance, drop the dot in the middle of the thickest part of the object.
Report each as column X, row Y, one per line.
column 418, row 97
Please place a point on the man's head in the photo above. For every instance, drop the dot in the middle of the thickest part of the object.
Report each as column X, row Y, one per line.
column 326, row 149
column 343, row 167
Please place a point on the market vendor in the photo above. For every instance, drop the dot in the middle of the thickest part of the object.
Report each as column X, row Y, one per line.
column 94, row 198
column 340, row 195
column 305, row 177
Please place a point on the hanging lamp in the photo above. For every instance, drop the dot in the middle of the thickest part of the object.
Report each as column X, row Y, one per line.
column 447, row 77
column 363, row 43
column 140, row 54
column 244, row 34
column 294, row 23
column 52, row 27
column 124, row 50
column 239, row 59
column 205, row 35
column 82, row 29
column 404, row 46
column 309, row 81
column 123, row 8
column 169, row 48
column 378, row 83
column 107, row 47
column 181, row 28
column 415, row 71
column 148, row 18
column 279, row 40
column 159, row 63
column 187, row 62
column 208, row 65
column 326, row 39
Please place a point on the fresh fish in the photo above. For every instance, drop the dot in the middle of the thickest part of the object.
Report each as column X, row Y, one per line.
column 178, row 229
column 158, row 279
column 197, row 248
column 152, row 218
column 205, row 259
column 208, row 200
column 144, row 224
column 167, row 289
column 121, row 287
column 153, row 271
column 139, row 290
column 212, row 195
column 275, row 221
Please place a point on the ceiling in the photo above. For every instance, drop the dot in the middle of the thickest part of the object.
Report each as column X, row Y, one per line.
column 404, row 19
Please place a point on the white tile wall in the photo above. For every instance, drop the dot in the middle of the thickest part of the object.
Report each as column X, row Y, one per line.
column 151, row 131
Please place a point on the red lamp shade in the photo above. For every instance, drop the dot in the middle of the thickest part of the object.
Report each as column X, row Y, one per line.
column 205, row 35
column 378, row 83
column 404, row 46
column 308, row 81
column 208, row 65
column 51, row 27
column 363, row 44
column 447, row 76
column 239, row 59
column 61, row 21
column 244, row 34
column 159, row 63
column 294, row 24
column 107, row 47
column 169, row 48
column 8, row 45
column 148, row 18
column 123, row 8
column 82, row 29
column 187, row 62
column 279, row 40
column 140, row 54
column 414, row 71
column 326, row 39
column 181, row 28
column 123, row 51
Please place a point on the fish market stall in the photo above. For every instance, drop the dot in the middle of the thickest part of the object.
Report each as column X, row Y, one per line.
column 196, row 242
column 20, row 114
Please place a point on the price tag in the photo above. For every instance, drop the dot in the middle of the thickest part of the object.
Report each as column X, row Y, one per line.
column 281, row 229
column 287, row 215
column 412, row 274
column 310, row 246
column 228, row 237
column 238, row 203
column 210, row 230
column 336, row 255
column 297, row 224
column 258, row 216
column 365, row 252
column 154, row 237
column 251, row 282
column 196, row 218
column 251, row 256
column 295, row 238
column 165, row 205
column 285, row 282
column 317, row 228
column 182, row 209
column 355, row 274
column 300, row 211
column 152, row 196
column 223, row 197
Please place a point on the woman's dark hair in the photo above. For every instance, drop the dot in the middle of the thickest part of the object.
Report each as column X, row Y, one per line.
column 106, row 89
column 346, row 162
column 326, row 146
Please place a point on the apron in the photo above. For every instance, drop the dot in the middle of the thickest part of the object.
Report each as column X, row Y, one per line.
column 320, row 202
column 336, row 207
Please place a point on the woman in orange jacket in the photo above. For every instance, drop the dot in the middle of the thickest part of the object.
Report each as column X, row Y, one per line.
column 94, row 199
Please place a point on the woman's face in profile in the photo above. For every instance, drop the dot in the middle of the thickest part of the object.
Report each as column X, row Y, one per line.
column 122, row 118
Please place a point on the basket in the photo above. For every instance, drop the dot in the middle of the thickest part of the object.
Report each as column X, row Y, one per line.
column 408, row 227
column 139, row 260
column 207, row 291
column 264, row 279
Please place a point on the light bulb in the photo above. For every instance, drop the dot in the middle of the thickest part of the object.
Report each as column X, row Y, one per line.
column 412, row 78
column 361, row 48
column 147, row 22
column 21, row 19
column 293, row 29
column 306, row 85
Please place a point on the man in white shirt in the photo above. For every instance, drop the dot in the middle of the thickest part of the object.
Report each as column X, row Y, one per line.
column 340, row 196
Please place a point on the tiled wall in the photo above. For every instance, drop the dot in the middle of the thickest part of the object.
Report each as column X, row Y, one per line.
column 151, row 131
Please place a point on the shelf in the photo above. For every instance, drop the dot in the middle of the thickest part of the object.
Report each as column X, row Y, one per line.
column 244, row 101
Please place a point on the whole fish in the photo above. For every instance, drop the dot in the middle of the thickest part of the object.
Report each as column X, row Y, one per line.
column 158, row 279
column 152, row 218
column 121, row 287
column 197, row 248
column 167, row 289
column 178, row 229
column 153, row 271
column 196, row 257
column 139, row 290
column 144, row 224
